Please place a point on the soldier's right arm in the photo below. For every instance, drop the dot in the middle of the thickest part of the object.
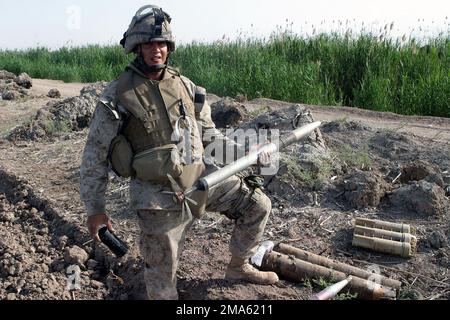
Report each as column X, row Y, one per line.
column 94, row 166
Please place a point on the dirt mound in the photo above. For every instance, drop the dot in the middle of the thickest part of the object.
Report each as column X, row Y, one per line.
column 227, row 112
column 14, row 87
column 393, row 145
column 306, row 164
column 363, row 189
column 283, row 119
column 61, row 117
column 33, row 263
column 422, row 197
column 437, row 239
column 344, row 126
column 26, row 257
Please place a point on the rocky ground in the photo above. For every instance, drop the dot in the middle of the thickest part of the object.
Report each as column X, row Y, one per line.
column 360, row 164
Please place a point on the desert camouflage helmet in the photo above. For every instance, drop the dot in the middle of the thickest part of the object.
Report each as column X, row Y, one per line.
column 146, row 26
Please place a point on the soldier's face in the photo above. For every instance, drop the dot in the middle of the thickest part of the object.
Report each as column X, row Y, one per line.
column 154, row 52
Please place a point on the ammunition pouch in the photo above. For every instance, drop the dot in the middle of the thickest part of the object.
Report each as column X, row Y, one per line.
column 248, row 196
column 154, row 164
column 254, row 181
column 120, row 156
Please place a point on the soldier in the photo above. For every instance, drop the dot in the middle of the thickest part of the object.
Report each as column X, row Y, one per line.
column 136, row 128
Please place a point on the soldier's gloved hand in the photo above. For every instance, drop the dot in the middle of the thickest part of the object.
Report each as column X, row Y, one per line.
column 95, row 222
column 264, row 157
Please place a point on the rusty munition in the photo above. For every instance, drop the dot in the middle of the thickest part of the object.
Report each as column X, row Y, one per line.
column 335, row 265
column 297, row 270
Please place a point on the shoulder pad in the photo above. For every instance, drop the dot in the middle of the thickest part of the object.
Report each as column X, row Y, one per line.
column 111, row 108
column 108, row 99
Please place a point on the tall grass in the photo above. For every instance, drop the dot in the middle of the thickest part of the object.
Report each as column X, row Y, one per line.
column 365, row 72
column 80, row 64
column 330, row 69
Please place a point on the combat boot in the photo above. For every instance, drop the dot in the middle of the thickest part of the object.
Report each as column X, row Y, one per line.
column 239, row 269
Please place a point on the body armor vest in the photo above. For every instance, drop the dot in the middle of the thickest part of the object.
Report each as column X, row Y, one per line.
column 153, row 109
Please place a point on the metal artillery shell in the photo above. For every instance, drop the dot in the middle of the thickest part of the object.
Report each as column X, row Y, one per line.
column 378, row 224
column 332, row 290
column 382, row 245
column 227, row 171
column 335, row 265
column 383, row 234
column 297, row 270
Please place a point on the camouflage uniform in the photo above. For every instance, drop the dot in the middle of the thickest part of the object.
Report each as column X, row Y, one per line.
column 163, row 226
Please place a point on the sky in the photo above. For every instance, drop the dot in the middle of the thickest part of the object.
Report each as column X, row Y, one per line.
column 53, row 24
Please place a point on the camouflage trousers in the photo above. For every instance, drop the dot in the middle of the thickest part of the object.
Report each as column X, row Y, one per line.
column 163, row 232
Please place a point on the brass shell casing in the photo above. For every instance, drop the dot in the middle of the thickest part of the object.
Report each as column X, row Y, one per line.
column 384, row 225
column 403, row 249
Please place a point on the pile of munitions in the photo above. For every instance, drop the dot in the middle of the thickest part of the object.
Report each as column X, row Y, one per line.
column 297, row 265
column 387, row 237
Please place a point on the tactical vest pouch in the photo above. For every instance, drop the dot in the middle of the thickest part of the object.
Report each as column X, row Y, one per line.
column 120, row 156
column 154, row 164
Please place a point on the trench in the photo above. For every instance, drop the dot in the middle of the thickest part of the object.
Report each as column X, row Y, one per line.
column 33, row 236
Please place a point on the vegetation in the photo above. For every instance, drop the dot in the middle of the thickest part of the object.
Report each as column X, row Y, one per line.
column 354, row 157
column 83, row 64
column 322, row 283
column 368, row 71
column 312, row 176
column 57, row 127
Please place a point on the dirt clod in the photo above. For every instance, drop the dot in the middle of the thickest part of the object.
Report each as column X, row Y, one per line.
column 24, row 81
column 54, row 93
column 227, row 112
column 75, row 255
column 13, row 87
column 364, row 189
column 437, row 239
column 422, row 197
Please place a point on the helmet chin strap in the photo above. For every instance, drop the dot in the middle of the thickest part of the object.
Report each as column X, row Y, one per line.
column 154, row 68
column 144, row 67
